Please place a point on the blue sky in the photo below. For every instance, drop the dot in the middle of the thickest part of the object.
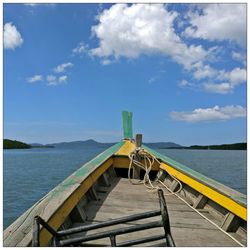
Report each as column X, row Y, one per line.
column 70, row 69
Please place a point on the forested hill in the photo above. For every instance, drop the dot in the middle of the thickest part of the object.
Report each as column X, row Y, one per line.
column 13, row 144
column 10, row 144
column 235, row 146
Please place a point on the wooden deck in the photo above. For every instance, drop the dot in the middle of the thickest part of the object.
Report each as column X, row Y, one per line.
column 122, row 198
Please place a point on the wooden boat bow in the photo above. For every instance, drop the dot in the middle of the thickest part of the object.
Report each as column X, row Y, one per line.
column 70, row 201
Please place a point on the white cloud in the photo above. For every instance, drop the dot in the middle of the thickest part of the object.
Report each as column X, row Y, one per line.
column 40, row 4
column 80, row 48
column 129, row 31
column 153, row 79
column 106, row 62
column 61, row 68
column 231, row 79
column 63, row 79
column 218, row 81
column 203, row 71
column 52, row 80
column 235, row 77
column 12, row 38
column 210, row 114
column 145, row 29
column 218, row 22
column 241, row 57
column 183, row 83
column 30, row 4
column 35, row 78
column 219, row 88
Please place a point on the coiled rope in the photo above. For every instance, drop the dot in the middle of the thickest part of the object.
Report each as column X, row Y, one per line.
column 149, row 161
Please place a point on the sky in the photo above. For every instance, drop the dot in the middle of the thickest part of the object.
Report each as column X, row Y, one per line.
column 71, row 69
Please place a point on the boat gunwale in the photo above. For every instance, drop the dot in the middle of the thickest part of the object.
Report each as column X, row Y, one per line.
column 200, row 177
column 237, row 197
column 61, row 190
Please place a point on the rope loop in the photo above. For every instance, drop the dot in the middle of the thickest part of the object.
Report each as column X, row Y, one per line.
column 146, row 163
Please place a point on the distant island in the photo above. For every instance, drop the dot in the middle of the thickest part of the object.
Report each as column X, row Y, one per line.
column 13, row 144
column 10, row 144
column 234, row 146
column 82, row 144
column 162, row 145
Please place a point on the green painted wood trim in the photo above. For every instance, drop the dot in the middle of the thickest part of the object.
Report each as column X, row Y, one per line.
column 87, row 169
column 127, row 124
column 59, row 194
column 229, row 192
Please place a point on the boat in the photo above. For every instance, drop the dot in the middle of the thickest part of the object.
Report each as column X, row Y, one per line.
column 131, row 195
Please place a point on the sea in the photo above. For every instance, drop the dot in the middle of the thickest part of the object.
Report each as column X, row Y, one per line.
column 31, row 173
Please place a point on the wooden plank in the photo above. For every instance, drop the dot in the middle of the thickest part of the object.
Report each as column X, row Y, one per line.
column 141, row 205
column 241, row 238
column 106, row 211
column 231, row 223
column 200, row 201
column 174, row 185
column 127, row 124
column 127, row 190
column 130, row 198
column 138, row 140
column 121, row 159
column 126, row 149
column 125, row 237
column 175, row 219
column 187, row 226
column 104, row 180
column 185, row 237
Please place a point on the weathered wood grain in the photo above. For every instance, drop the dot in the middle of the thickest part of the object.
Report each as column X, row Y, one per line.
column 188, row 227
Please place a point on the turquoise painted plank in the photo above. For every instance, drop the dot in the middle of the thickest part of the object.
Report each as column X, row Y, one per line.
column 87, row 168
column 229, row 192
column 127, row 124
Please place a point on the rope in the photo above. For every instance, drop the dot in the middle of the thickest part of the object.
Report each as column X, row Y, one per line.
column 149, row 160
